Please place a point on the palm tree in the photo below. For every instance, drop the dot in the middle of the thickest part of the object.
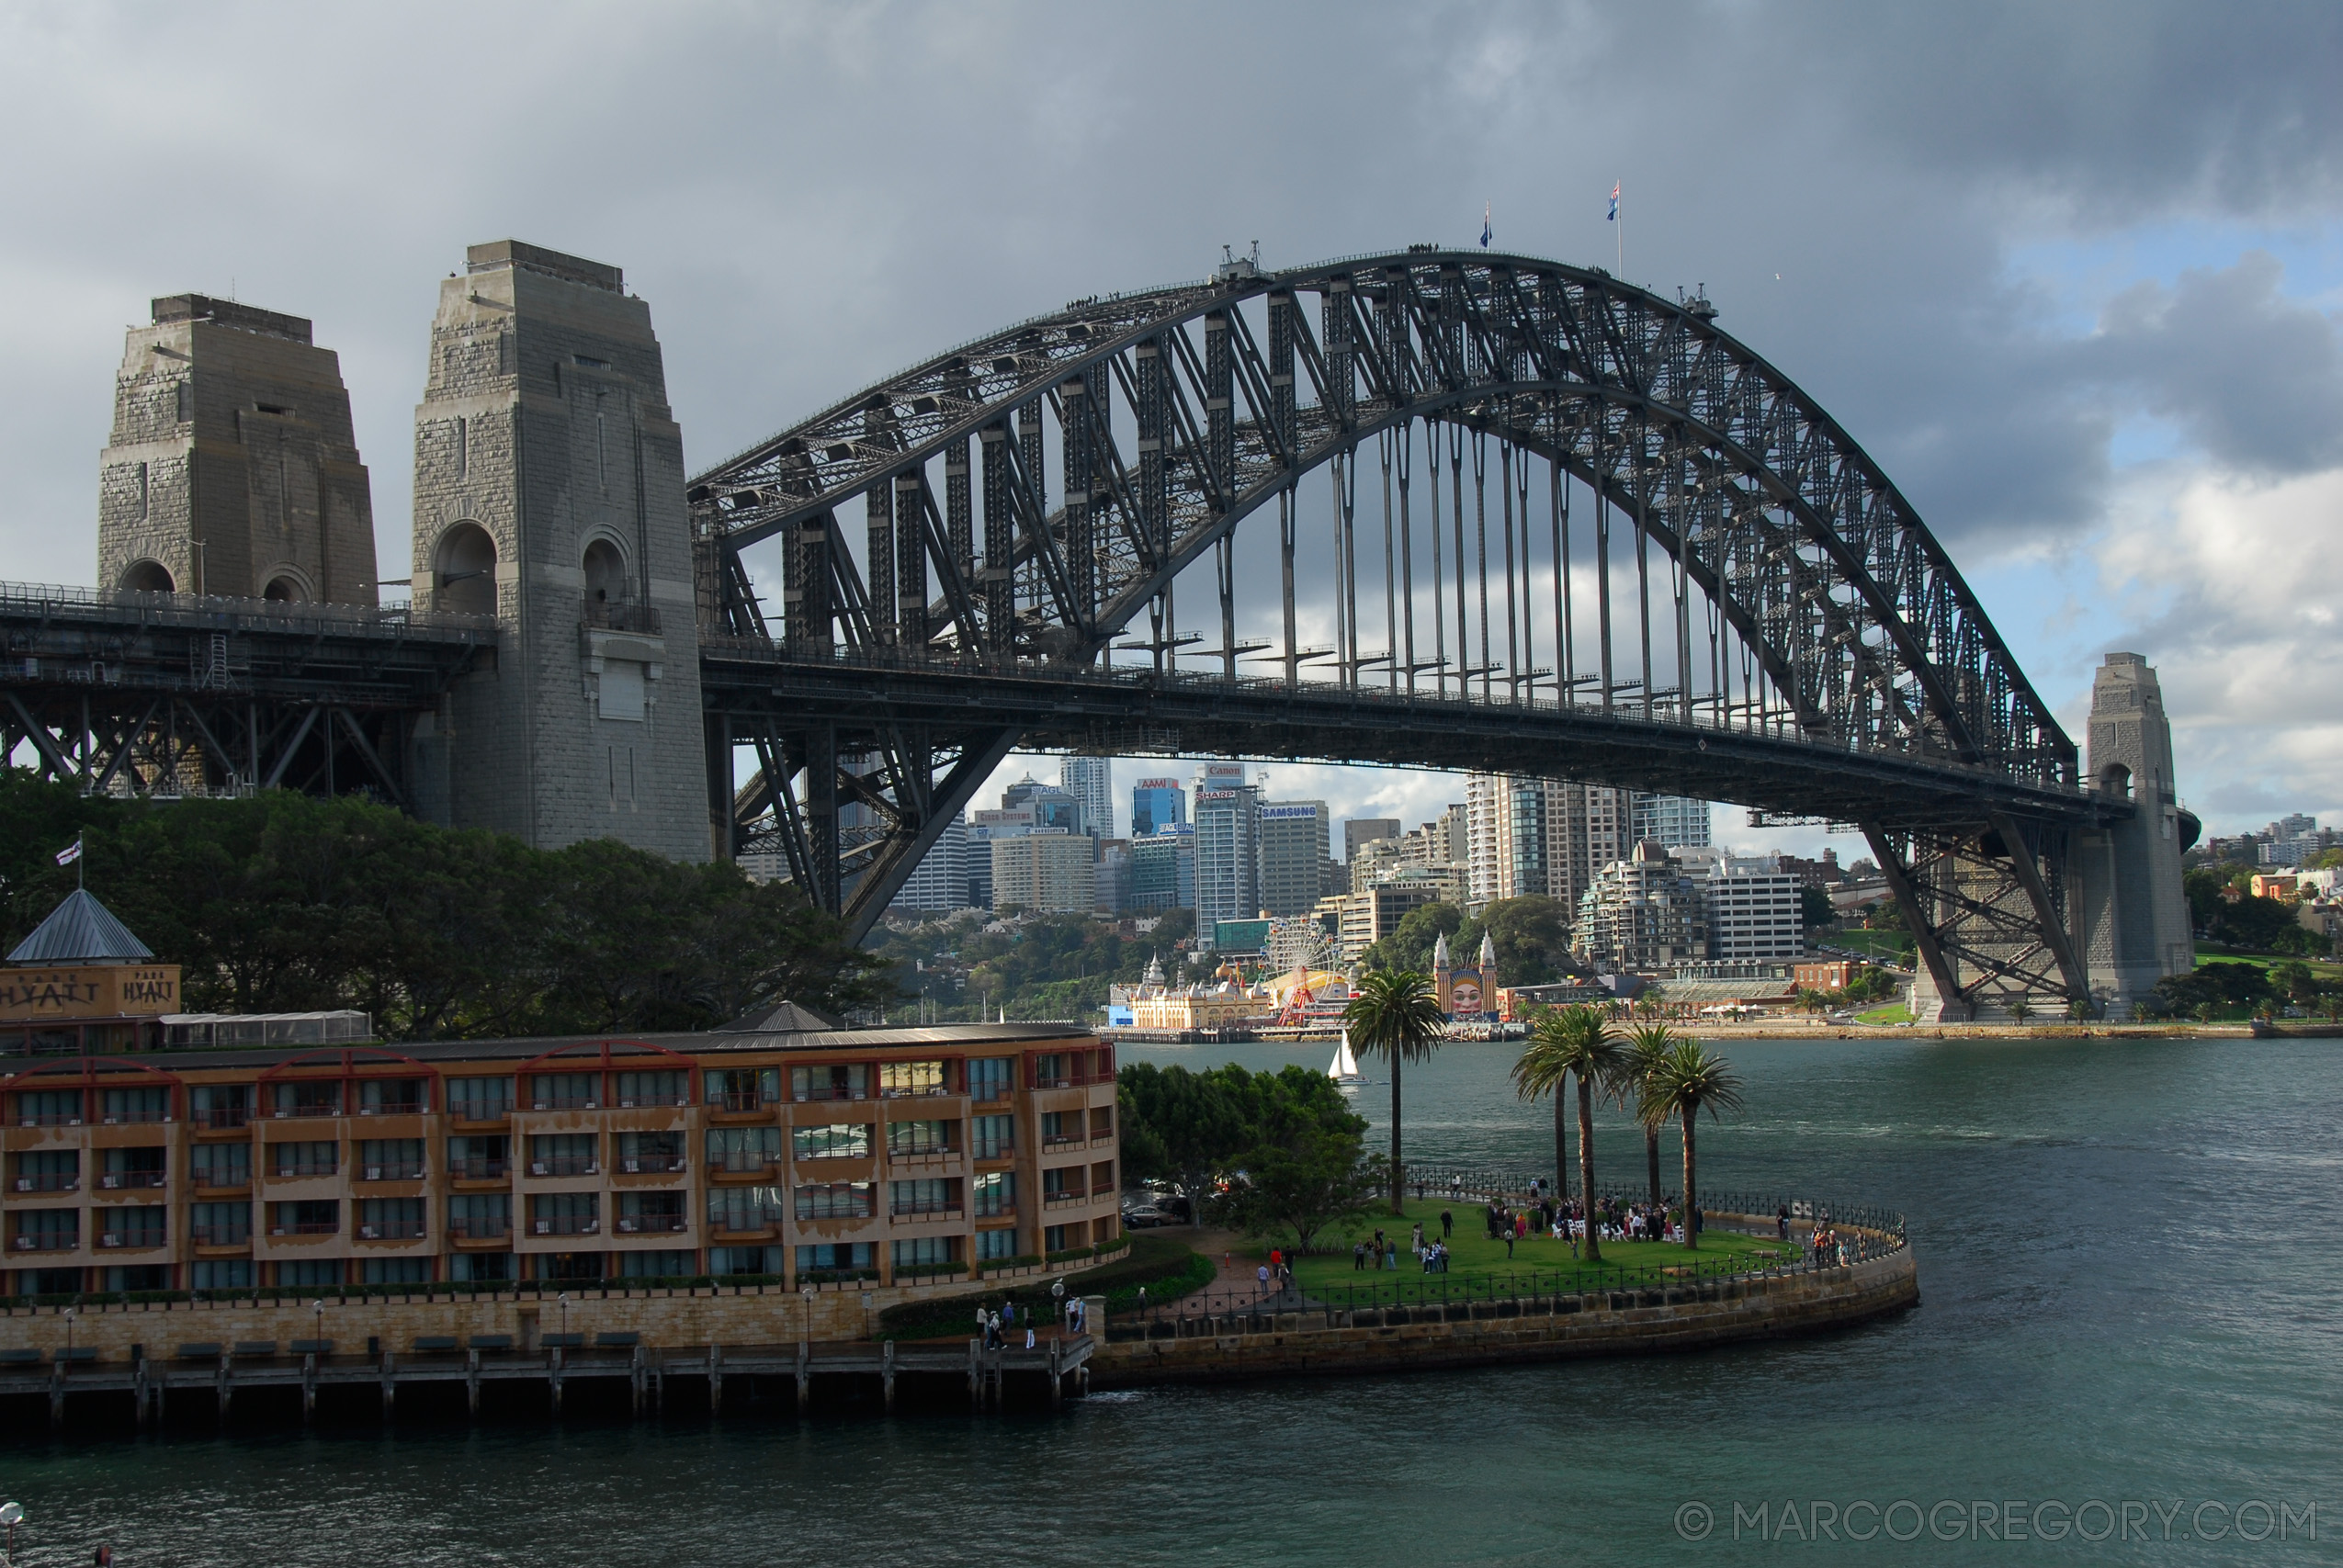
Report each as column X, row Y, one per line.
column 1396, row 1016
column 1648, row 1046
column 1576, row 1041
column 1686, row 1080
column 2019, row 1008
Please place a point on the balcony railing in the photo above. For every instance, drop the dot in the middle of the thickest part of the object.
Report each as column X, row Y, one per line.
column 913, row 1094
column 113, row 1179
column 479, row 1168
column 49, row 1181
column 633, row 1102
column 1063, row 1200
column 48, row 1241
column 481, row 1111
column 566, row 1165
column 220, row 1235
column 1054, row 1141
column 921, row 1157
column 616, row 616
column 566, row 1103
column 224, row 1118
column 473, row 1228
column 392, row 1170
column 152, row 1235
column 744, row 1165
column 308, row 1227
column 394, row 1108
column 141, row 1113
column 49, row 1119
column 831, row 1091
column 390, row 1230
column 926, row 1208
column 220, row 1177
column 302, row 1167
column 737, row 1101
column 647, row 1225
column 994, row 1148
column 652, row 1165
column 329, row 1109
column 566, row 1225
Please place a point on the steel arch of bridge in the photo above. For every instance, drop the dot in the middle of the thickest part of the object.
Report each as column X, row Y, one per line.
column 1841, row 640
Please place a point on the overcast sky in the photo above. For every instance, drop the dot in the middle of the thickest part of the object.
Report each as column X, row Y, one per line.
column 2071, row 273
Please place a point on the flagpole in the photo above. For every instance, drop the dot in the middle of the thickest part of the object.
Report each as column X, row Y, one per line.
column 1618, row 256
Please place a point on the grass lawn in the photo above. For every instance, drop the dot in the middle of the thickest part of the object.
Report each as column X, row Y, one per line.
column 1893, row 1013
column 2324, row 968
column 1879, row 944
column 1472, row 1256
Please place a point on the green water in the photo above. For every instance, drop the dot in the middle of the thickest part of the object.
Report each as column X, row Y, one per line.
column 2127, row 1251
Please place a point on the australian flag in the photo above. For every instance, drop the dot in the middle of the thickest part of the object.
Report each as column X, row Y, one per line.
column 1613, row 217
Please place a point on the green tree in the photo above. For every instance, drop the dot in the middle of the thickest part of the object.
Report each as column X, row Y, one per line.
column 2294, row 980
column 1306, row 1165
column 1411, row 943
column 1647, row 1048
column 2019, row 1009
column 1688, row 1080
column 1815, row 909
column 1394, row 1016
column 1180, row 1126
column 1531, row 935
column 1574, row 1043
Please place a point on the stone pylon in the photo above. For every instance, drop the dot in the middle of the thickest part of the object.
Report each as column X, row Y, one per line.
column 550, row 494
column 2132, row 920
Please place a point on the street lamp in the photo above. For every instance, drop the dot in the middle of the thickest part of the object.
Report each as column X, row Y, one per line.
column 1058, row 1295
column 10, row 1513
column 69, row 1334
column 317, row 1311
column 565, row 1298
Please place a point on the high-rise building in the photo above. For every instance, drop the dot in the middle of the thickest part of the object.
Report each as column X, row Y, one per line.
column 234, row 469
column 984, row 827
column 941, row 880
column 1671, row 819
column 1753, row 910
column 1156, row 803
column 1366, row 829
column 1295, row 837
column 1227, row 856
column 1163, row 869
column 1113, row 876
column 1641, row 913
column 1220, row 776
column 1528, row 836
column 1053, row 809
column 1090, row 781
column 1048, row 872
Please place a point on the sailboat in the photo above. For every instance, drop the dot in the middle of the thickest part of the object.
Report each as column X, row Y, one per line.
column 1345, row 1069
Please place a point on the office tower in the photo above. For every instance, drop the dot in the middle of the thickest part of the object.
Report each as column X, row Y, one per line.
column 1157, row 803
column 1227, row 856
column 1294, row 836
column 1365, row 830
column 1669, row 819
column 1090, row 779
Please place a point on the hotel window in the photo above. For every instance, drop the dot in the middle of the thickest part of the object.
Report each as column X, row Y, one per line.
column 993, row 1137
column 656, row 1265
column 744, row 1088
column 565, row 1213
column 219, row 1224
column 480, row 1100
column 1049, row 1072
column 669, row 1087
column 311, row 1216
column 927, row 1251
column 745, row 1208
column 644, row 1152
column 150, row 1102
column 826, row 1256
column 1053, row 1238
column 480, row 1267
column 390, row 1219
column 132, row 1168
column 846, row 1081
column 743, row 1149
column 481, row 1157
column 133, row 1225
column 993, row 1245
column 311, row 1272
column 50, row 1108
column 220, row 1165
column 47, row 1170
column 835, row 1200
column 1060, row 1127
column 220, row 1105
column 651, row 1213
column 138, row 1277
column 393, row 1097
column 992, row 1077
column 765, row 1260
column 566, row 1091
column 1065, row 1181
column 311, row 1097
column 221, row 1274
column 391, row 1160
column 899, row 1078
column 995, row 1192
column 296, row 1160
column 920, row 1137
column 835, row 1140
column 929, row 1195
column 1102, row 1120
column 565, row 1154
column 479, row 1216
column 398, row 1271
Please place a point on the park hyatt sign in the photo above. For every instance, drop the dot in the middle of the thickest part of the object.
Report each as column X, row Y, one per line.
column 128, row 990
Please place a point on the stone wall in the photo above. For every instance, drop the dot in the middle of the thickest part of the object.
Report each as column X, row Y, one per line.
column 1639, row 1322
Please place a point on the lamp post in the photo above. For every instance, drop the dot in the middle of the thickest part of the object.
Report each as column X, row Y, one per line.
column 1057, row 1296
column 69, row 1334
column 564, row 1300
column 10, row 1514
column 317, row 1311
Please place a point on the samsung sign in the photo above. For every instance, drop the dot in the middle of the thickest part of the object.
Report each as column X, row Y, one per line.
column 1287, row 813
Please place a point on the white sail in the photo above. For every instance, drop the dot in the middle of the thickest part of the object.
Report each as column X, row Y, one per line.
column 1345, row 1067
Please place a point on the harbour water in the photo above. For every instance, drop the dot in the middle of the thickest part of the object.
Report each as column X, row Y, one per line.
column 2129, row 1263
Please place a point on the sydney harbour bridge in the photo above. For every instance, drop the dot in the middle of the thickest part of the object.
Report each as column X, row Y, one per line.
column 1437, row 508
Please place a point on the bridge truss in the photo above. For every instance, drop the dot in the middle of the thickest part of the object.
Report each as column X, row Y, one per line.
column 1610, row 543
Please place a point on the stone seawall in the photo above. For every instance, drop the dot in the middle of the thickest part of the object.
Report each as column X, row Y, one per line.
column 1618, row 1323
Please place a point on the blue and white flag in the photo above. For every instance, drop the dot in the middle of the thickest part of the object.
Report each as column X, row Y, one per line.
column 1484, row 226
column 1613, row 217
column 71, row 853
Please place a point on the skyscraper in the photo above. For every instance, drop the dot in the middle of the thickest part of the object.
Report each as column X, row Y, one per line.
column 1527, row 836
column 1227, row 856
column 1295, row 837
column 1163, row 868
column 1672, row 819
column 1155, row 804
column 1090, row 780
column 941, row 880
column 1361, row 831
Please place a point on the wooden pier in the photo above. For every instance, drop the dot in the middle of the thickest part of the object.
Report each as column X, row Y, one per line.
column 1054, row 1368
